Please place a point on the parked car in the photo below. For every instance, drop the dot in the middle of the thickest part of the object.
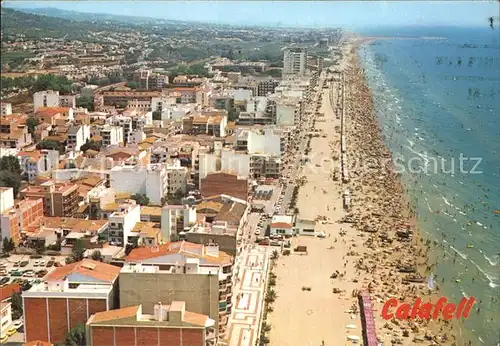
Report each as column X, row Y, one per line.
column 4, row 281
column 50, row 263
column 41, row 273
column 24, row 263
column 29, row 274
column 257, row 232
column 17, row 324
column 12, row 331
column 43, row 263
column 16, row 264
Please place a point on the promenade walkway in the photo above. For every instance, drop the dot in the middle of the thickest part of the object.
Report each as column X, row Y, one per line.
column 248, row 298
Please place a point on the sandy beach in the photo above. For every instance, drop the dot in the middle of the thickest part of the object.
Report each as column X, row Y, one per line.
column 366, row 254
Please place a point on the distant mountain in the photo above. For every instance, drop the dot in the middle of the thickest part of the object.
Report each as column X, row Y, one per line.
column 92, row 17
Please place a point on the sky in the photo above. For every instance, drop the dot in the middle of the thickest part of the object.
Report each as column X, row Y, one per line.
column 347, row 14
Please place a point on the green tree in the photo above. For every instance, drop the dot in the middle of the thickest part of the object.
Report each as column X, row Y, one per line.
column 10, row 179
column 10, row 163
column 50, row 145
column 96, row 255
column 232, row 115
column 8, row 245
column 77, row 251
column 133, row 85
column 116, row 79
column 32, row 123
column 40, row 247
column 85, row 102
column 140, row 199
column 76, row 336
column 17, row 306
column 156, row 115
column 90, row 144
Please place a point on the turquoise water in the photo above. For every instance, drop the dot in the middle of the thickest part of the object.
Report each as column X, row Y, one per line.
column 436, row 100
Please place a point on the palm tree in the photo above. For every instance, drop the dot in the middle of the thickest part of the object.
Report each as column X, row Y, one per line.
column 271, row 296
column 266, row 328
column 275, row 255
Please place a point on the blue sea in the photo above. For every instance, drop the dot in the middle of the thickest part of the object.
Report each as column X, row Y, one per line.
column 438, row 103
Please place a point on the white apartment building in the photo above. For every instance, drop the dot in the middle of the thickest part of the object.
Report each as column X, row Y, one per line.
column 285, row 113
column 175, row 219
column 6, row 198
column 265, row 166
column 162, row 104
column 177, row 178
column 236, row 162
column 48, row 98
column 111, row 135
column 51, row 98
column 151, row 180
column 33, row 166
column 241, row 94
column 136, row 136
column 6, row 108
column 294, row 61
column 257, row 104
column 67, row 101
column 5, row 318
column 77, row 136
column 122, row 121
column 122, row 222
column 259, row 141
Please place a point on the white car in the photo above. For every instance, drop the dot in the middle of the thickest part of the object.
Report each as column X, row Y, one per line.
column 43, row 263
column 17, row 324
column 257, row 232
column 36, row 263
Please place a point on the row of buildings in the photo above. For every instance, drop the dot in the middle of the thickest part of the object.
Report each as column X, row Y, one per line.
column 161, row 183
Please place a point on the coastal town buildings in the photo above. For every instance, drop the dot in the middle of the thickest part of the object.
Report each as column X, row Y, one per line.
column 150, row 180
column 5, row 318
column 294, row 61
column 19, row 217
column 67, row 297
column 59, row 199
column 168, row 325
column 5, row 108
column 200, row 275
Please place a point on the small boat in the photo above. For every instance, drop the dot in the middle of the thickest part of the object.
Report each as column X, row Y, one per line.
column 354, row 338
column 414, row 278
column 458, row 281
column 470, row 246
column 351, row 326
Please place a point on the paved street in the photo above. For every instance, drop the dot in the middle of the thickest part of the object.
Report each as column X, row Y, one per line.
column 252, row 264
column 248, row 297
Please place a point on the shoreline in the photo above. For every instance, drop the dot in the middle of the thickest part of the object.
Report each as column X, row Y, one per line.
column 386, row 195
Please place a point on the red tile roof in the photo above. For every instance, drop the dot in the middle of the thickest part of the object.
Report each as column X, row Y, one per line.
column 97, row 270
column 38, row 343
column 104, row 316
column 281, row 225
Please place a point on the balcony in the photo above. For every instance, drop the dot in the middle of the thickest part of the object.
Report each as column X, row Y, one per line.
column 210, row 333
